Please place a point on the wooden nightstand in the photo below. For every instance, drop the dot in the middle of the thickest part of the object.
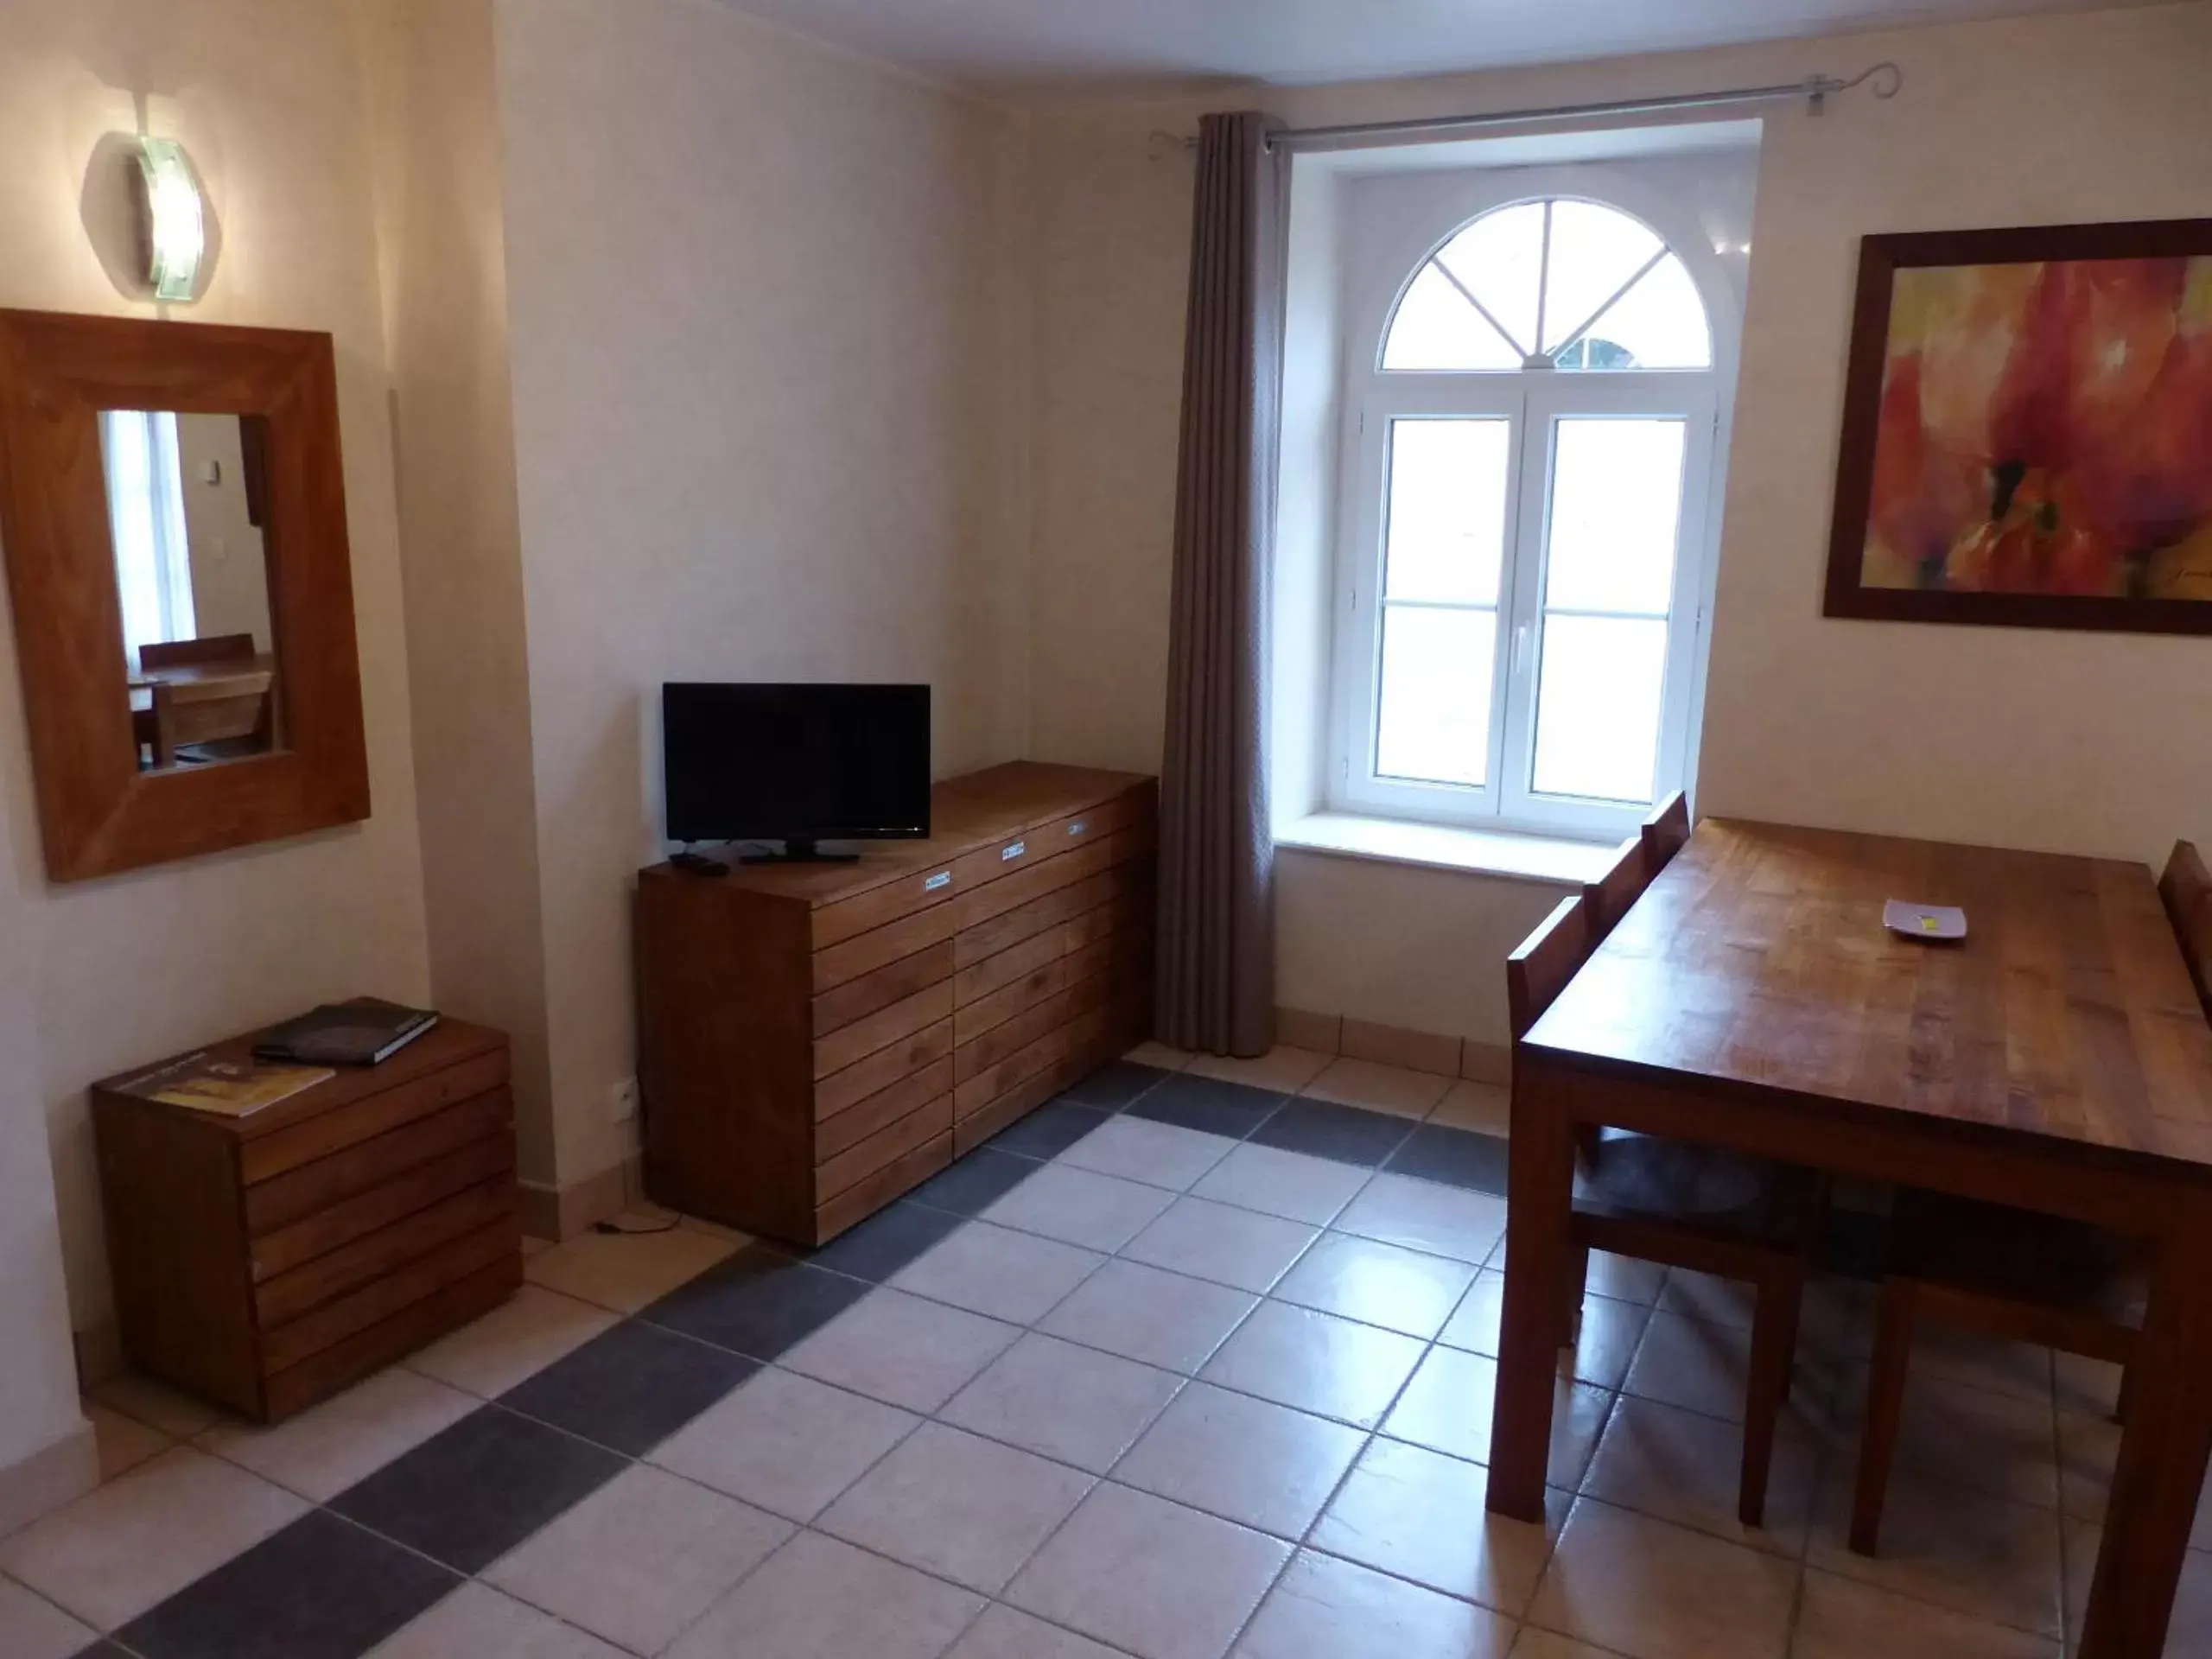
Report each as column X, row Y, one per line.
column 267, row 1261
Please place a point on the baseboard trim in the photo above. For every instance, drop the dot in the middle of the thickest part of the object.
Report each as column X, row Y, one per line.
column 46, row 1480
column 558, row 1213
column 1422, row 1051
column 100, row 1354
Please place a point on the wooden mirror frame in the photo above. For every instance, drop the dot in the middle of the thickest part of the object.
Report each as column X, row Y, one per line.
column 98, row 813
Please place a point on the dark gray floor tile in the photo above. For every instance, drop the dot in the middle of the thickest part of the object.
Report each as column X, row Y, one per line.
column 885, row 1241
column 631, row 1388
column 1050, row 1130
column 1192, row 1102
column 473, row 1492
column 1209, row 1104
column 1115, row 1085
column 1436, row 1152
column 975, row 1183
column 322, row 1588
column 757, row 1303
column 1346, row 1134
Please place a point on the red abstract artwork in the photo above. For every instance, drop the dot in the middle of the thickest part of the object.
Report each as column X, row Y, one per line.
column 2029, row 439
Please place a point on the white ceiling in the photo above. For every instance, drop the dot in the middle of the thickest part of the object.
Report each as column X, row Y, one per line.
column 1031, row 48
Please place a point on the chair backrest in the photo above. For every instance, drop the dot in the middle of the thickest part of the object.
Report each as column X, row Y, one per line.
column 1539, row 969
column 1608, row 898
column 2186, row 886
column 1666, row 831
column 189, row 653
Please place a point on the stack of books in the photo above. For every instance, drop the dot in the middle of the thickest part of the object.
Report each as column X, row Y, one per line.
column 294, row 1056
column 365, row 1032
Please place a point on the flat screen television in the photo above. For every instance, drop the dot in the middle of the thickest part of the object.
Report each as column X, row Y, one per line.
column 798, row 764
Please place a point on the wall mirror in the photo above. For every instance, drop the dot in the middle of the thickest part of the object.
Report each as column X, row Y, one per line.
column 186, row 496
column 172, row 514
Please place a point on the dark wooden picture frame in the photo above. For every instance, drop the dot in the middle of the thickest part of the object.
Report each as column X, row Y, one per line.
column 99, row 812
column 1880, row 258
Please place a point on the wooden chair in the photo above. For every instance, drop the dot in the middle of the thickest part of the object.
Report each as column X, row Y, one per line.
column 1611, row 895
column 2001, row 1272
column 1666, row 832
column 214, row 705
column 2186, row 888
column 190, row 653
column 2009, row 1272
column 1683, row 1205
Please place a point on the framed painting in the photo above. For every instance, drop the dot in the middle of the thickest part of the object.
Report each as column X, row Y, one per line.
column 2027, row 429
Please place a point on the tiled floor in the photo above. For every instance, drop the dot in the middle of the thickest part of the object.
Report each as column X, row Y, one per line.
column 1181, row 1367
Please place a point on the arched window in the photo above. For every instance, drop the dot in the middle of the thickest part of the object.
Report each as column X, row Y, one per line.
column 1535, row 423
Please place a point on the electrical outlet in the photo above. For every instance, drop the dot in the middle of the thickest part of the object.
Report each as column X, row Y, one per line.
column 622, row 1101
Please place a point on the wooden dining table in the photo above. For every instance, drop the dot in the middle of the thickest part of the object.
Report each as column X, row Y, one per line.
column 2056, row 1059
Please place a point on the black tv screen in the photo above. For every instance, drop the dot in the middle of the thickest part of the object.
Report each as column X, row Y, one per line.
column 796, row 763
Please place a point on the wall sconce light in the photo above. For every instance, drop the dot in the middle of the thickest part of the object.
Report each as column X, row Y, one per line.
column 175, row 220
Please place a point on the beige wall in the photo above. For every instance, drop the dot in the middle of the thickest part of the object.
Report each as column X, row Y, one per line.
column 765, row 326
column 265, row 94
column 2064, row 741
column 38, row 1381
column 230, row 573
column 442, row 243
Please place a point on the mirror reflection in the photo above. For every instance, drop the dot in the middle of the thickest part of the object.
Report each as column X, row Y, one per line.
column 187, row 503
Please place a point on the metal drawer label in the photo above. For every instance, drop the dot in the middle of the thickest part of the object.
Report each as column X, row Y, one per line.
column 1078, row 826
column 938, row 883
column 1007, row 855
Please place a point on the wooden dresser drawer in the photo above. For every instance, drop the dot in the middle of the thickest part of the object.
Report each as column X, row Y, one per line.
column 858, row 998
column 289, row 1343
column 881, row 1109
column 488, row 1157
column 310, row 1188
column 886, row 1146
column 979, row 981
column 879, row 947
column 844, row 1090
column 833, row 923
column 288, row 1296
column 879, row 1030
column 375, row 1346
column 319, row 1136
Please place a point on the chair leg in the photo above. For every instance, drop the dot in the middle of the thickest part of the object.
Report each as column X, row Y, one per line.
column 1573, row 1287
column 1885, row 1383
column 1774, row 1340
column 1812, row 1257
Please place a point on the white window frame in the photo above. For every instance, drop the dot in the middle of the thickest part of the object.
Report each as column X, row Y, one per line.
column 1534, row 401
column 145, row 495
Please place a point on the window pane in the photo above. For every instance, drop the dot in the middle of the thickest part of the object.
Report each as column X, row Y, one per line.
column 1658, row 324
column 1434, row 723
column 1500, row 257
column 1446, row 540
column 1617, row 499
column 1436, row 328
column 1594, row 251
column 1598, row 707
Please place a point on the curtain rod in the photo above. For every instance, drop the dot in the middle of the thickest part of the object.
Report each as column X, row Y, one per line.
column 1888, row 79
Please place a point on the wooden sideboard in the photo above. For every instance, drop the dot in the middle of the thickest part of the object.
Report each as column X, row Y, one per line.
column 817, row 1039
column 266, row 1261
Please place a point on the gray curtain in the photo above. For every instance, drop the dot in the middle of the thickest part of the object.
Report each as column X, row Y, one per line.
column 1216, row 857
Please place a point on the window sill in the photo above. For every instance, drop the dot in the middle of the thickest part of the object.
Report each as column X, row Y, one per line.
column 1556, row 860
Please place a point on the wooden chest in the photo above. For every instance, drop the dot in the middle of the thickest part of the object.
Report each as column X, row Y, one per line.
column 266, row 1261
column 814, row 1039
